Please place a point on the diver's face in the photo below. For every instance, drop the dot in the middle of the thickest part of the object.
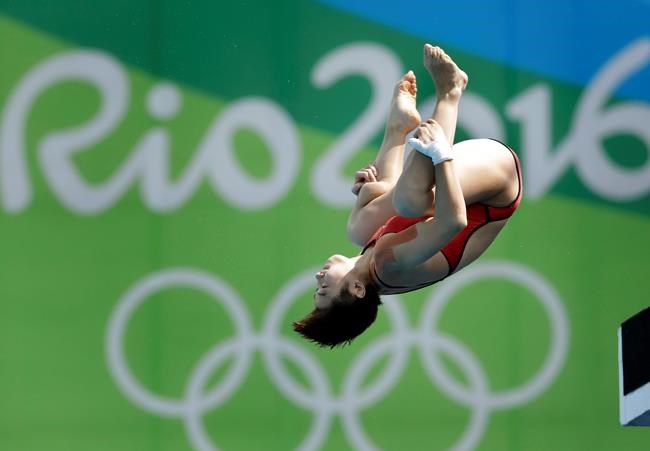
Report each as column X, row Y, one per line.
column 329, row 280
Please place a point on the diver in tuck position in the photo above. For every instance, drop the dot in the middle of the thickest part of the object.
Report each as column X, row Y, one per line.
column 419, row 221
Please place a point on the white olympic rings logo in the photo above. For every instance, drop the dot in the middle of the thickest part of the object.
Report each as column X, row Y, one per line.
column 353, row 397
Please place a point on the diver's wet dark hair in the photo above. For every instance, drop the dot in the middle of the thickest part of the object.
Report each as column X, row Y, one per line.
column 344, row 320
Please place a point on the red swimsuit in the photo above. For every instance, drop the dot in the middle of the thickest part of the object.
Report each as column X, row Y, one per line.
column 478, row 215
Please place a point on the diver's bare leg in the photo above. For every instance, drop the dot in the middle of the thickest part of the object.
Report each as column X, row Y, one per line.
column 450, row 82
column 414, row 193
column 403, row 117
column 374, row 202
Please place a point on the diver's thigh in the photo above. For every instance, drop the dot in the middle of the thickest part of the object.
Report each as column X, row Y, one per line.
column 483, row 169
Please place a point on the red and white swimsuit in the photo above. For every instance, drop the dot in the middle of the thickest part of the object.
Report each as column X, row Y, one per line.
column 478, row 215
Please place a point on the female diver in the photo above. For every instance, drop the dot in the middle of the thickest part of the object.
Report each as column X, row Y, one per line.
column 417, row 221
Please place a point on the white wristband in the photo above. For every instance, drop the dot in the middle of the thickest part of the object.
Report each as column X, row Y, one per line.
column 438, row 150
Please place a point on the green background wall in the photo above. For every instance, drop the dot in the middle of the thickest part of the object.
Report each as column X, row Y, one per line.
column 172, row 172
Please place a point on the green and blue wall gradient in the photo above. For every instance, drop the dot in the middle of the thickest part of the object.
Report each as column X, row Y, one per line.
column 172, row 172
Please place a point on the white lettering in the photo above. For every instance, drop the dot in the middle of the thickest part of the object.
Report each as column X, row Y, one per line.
column 96, row 68
column 382, row 69
column 148, row 162
column 149, row 159
column 270, row 122
column 591, row 123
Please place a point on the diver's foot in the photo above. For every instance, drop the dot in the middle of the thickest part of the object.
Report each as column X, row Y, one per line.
column 403, row 115
column 449, row 79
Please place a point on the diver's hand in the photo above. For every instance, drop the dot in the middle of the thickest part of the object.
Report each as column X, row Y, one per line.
column 363, row 176
column 430, row 140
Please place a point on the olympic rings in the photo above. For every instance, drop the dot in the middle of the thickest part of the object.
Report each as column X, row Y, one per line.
column 320, row 397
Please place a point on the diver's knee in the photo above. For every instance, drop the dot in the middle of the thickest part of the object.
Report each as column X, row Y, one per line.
column 411, row 203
